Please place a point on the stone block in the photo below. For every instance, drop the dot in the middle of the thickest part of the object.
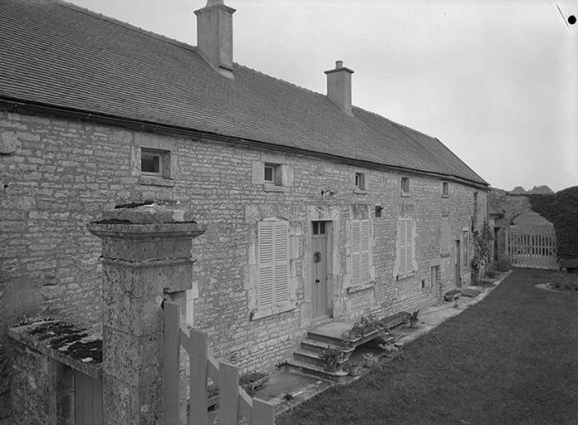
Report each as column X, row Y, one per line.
column 135, row 316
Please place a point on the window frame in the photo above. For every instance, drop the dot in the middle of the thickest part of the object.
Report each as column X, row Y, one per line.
column 405, row 186
column 359, row 180
column 445, row 189
column 155, row 153
column 275, row 170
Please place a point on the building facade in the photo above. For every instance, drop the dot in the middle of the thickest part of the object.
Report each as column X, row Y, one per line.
column 315, row 209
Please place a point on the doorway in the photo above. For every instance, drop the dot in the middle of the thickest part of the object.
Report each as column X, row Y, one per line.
column 320, row 297
column 458, row 264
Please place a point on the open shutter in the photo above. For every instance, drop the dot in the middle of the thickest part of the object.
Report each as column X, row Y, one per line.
column 364, row 252
column 281, row 262
column 265, row 256
column 355, row 252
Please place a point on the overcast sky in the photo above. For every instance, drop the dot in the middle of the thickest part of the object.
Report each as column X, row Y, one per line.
column 495, row 80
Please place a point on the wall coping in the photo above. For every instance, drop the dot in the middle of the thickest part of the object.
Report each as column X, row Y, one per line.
column 74, row 346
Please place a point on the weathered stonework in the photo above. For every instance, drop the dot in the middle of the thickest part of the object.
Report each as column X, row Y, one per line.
column 64, row 174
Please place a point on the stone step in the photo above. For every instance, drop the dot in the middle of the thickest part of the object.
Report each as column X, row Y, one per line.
column 319, row 347
column 309, row 369
column 310, row 357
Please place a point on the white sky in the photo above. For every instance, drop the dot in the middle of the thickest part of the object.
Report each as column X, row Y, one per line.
column 495, row 80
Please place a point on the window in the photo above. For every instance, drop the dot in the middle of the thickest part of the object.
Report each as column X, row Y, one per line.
column 445, row 237
column 273, row 260
column 405, row 185
column 465, row 250
column 318, row 227
column 445, row 189
column 152, row 162
column 406, row 245
column 360, row 252
column 271, row 174
column 360, row 181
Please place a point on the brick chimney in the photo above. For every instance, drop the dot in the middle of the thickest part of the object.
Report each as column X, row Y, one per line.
column 339, row 87
column 215, row 36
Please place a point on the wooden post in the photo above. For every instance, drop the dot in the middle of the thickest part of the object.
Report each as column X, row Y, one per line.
column 198, row 367
column 228, row 394
column 263, row 413
column 171, row 396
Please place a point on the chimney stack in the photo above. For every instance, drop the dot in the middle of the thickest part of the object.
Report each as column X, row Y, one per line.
column 215, row 36
column 339, row 87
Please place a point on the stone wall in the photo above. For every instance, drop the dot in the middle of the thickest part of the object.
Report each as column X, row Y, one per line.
column 64, row 174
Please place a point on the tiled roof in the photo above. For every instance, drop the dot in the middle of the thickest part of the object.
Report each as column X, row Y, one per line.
column 57, row 54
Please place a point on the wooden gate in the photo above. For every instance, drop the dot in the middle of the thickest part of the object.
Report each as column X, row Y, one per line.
column 87, row 400
column 534, row 248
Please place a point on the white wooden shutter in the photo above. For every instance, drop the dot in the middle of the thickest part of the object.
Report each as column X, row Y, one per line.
column 402, row 246
column 281, row 262
column 445, row 236
column 364, row 252
column 273, row 257
column 355, row 252
column 410, row 244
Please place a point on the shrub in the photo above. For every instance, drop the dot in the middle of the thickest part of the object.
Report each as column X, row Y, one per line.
column 491, row 270
column 503, row 265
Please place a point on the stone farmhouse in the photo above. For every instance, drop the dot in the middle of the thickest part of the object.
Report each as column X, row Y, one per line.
column 315, row 209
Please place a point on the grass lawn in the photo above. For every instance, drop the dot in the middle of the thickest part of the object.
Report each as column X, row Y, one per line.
column 510, row 359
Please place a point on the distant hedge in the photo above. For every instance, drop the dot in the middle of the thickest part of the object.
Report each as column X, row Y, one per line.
column 562, row 210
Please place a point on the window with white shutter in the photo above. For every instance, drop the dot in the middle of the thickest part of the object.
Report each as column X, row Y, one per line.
column 273, row 258
column 406, row 245
column 360, row 252
column 445, row 237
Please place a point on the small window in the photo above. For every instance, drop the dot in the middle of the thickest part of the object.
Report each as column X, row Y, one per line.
column 360, row 181
column 271, row 173
column 318, row 227
column 445, row 189
column 405, row 184
column 152, row 162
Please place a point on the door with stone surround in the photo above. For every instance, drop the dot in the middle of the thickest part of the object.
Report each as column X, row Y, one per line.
column 319, row 247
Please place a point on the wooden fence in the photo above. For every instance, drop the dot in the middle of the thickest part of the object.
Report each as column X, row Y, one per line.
column 532, row 248
column 234, row 402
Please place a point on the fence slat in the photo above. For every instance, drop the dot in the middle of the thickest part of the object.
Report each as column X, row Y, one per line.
column 198, row 378
column 171, row 397
column 263, row 413
column 228, row 394
column 245, row 404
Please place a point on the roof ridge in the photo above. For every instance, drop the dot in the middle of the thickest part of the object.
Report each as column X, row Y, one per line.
column 126, row 25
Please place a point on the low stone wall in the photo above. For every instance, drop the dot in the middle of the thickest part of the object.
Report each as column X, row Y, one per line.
column 45, row 355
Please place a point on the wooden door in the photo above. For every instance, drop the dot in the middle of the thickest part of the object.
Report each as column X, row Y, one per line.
column 458, row 264
column 319, row 296
column 87, row 399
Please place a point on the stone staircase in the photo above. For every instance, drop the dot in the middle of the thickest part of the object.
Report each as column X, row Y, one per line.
column 307, row 358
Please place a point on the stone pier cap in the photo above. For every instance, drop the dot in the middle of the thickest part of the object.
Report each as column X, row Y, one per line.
column 143, row 221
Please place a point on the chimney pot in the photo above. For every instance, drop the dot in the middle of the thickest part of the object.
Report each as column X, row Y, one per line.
column 338, row 64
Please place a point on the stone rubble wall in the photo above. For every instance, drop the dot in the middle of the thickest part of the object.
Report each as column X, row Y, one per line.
column 64, row 174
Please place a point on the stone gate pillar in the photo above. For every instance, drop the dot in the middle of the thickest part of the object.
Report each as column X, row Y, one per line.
column 147, row 257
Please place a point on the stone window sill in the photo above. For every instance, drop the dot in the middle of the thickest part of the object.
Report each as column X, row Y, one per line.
column 260, row 314
column 360, row 288
column 156, row 181
column 445, row 196
column 268, row 187
column 407, row 275
column 360, row 191
column 405, row 194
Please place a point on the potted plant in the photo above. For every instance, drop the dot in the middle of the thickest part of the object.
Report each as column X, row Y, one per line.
column 332, row 358
column 413, row 319
column 369, row 360
column 354, row 368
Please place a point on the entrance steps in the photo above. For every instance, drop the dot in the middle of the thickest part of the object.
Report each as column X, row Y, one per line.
column 307, row 358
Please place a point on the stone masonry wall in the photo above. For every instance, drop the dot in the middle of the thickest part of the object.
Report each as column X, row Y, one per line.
column 64, row 174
